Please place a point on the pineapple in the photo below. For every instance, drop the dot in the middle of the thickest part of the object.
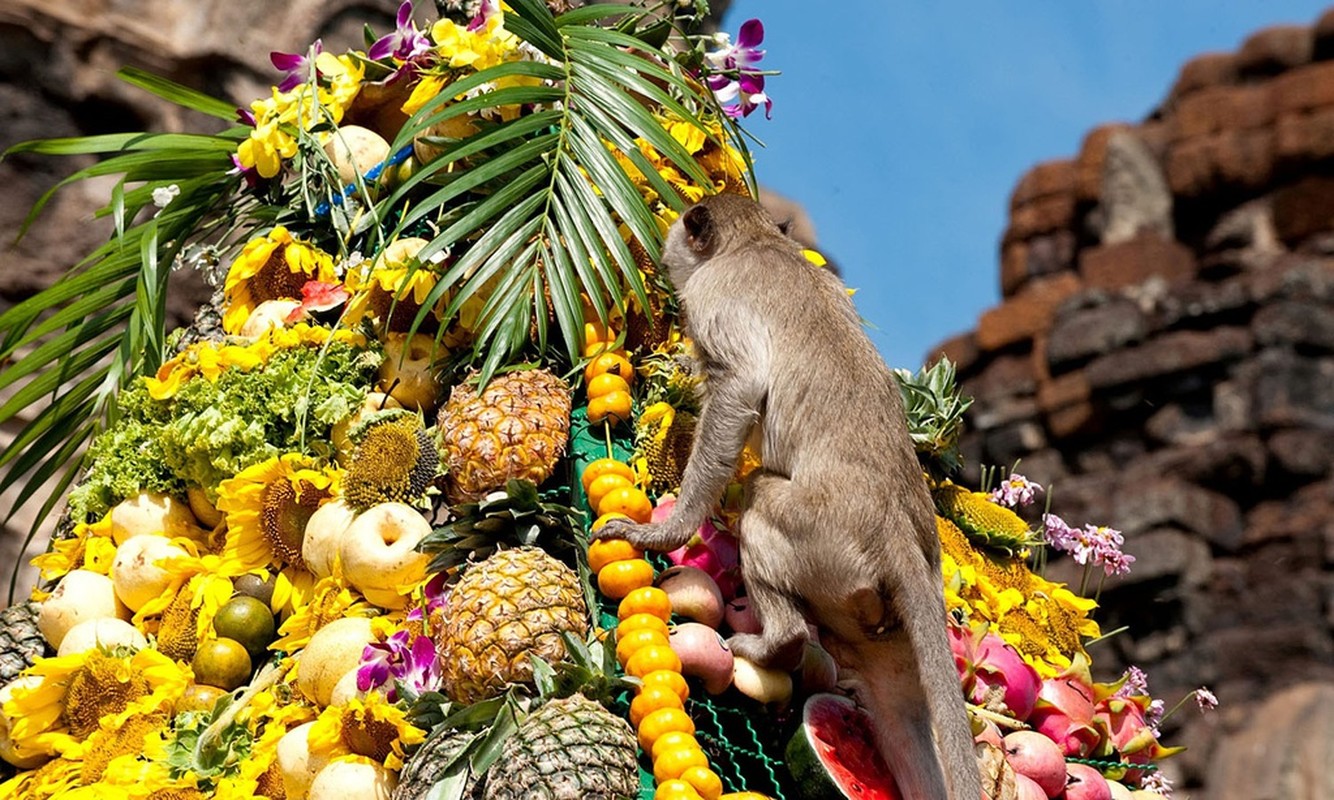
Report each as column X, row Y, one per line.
column 934, row 407
column 568, row 749
column 504, row 610
column 431, row 763
column 986, row 524
column 517, row 427
column 20, row 641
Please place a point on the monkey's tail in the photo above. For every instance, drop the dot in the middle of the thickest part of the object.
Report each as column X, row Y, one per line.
column 920, row 722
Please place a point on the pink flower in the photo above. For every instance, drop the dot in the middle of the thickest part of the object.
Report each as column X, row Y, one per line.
column 405, row 43
column 738, row 86
column 295, row 66
column 1015, row 491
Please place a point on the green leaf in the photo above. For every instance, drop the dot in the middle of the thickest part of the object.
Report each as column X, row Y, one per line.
column 175, row 93
column 532, row 21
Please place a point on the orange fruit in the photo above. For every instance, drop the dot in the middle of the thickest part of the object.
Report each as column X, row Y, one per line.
column 223, row 663
column 605, row 518
column 613, row 362
column 631, row 642
column 602, row 466
column 649, row 600
column 640, row 621
column 667, row 679
column 671, row 763
column 606, row 383
column 672, row 740
column 620, row 578
column 603, row 486
column 662, row 721
column 613, row 407
column 198, row 697
column 703, row 780
column 628, row 500
column 605, row 551
column 676, row 790
column 651, row 699
column 595, row 349
column 595, row 332
column 651, row 658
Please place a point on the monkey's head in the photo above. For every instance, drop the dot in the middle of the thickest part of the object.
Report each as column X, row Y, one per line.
column 712, row 227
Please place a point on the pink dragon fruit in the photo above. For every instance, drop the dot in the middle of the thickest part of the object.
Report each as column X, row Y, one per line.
column 712, row 549
column 993, row 674
column 1064, row 711
column 1129, row 733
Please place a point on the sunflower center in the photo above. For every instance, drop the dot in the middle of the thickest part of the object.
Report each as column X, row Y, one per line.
column 285, row 511
column 129, row 738
column 275, row 280
column 176, row 636
column 177, row 794
column 104, row 685
column 270, row 783
column 367, row 736
column 395, row 462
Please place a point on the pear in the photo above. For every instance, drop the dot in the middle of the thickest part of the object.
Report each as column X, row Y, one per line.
column 353, row 780
column 296, row 763
column 135, row 572
column 154, row 513
column 324, row 530
column 81, row 596
column 379, row 555
column 332, row 652
column 107, row 632
column 406, row 372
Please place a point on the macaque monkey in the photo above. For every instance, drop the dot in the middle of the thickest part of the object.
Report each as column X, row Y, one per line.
column 837, row 527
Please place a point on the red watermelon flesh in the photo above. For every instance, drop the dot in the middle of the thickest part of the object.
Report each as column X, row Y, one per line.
column 833, row 754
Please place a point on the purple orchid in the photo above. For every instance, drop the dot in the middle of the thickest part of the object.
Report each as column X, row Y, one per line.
column 295, row 66
column 485, row 11
column 405, row 661
column 734, row 80
column 405, row 43
column 379, row 659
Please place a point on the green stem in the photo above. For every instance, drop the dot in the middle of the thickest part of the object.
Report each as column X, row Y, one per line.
column 606, row 428
column 1101, row 582
column 1084, row 581
column 1107, row 635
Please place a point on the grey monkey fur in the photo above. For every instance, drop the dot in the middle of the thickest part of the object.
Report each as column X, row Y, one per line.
column 838, row 527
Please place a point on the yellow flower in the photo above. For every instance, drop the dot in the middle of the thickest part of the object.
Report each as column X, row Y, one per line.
column 479, row 49
column 329, row 599
column 369, row 726
column 82, row 693
column 395, row 283
column 91, row 548
column 424, row 92
column 280, row 116
column 271, row 267
column 266, row 507
column 57, row 777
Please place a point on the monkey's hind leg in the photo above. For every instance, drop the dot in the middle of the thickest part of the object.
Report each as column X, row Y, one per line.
column 770, row 563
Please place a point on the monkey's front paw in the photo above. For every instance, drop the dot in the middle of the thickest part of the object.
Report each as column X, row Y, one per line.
column 653, row 536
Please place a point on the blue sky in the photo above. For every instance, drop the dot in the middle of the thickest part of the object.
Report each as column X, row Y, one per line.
column 904, row 125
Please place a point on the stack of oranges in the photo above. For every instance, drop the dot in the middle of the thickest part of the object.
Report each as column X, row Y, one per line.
column 608, row 377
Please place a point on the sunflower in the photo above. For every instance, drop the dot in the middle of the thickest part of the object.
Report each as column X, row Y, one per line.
column 188, row 618
column 393, row 288
column 57, row 777
column 267, row 506
column 329, row 599
column 207, row 359
column 370, row 726
column 271, row 267
column 91, row 548
column 80, row 694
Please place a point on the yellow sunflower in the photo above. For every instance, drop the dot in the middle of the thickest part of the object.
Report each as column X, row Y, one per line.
column 79, row 694
column 267, row 507
column 329, row 599
column 57, row 777
column 91, row 548
column 271, row 267
column 393, row 288
column 370, row 726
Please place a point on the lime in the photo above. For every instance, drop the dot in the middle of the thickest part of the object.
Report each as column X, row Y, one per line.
column 248, row 621
column 198, row 697
column 223, row 663
column 251, row 585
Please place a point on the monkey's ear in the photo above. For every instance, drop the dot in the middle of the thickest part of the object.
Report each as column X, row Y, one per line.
column 698, row 223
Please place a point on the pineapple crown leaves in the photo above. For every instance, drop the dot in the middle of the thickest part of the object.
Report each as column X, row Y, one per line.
column 486, row 724
column 589, row 669
column 517, row 517
column 934, row 407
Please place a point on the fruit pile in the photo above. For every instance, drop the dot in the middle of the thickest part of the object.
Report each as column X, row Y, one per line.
column 332, row 540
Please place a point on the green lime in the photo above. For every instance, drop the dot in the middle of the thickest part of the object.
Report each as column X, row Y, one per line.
column 223, row 663
column 248, row 621
column 251, row 585
column 198, row 697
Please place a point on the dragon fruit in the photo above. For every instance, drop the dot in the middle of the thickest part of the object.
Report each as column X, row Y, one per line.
column 1064, row 711
column 1129, row 733
column 712, row 549
column 994, row 675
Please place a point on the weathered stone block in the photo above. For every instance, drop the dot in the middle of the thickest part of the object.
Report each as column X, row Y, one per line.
column 1289, row 390
column 1270, row 51
column 1204, row 70
column 1167, row 553
column 1304, row 89
column 1304, row 452
column 1026, row 314
column 1055, row 177
column 1199, row 304
column 1088, row 165
column 1232, row 463
column 1004, row 376
column 1296, row 322
column 1167, row 354
column 1222, row 108
column 1228, row 158
column 1115, row 266
column 1088, row 332
column 1183, row 424
column 1283, row 750
column 1041, row 255
column 1304, row 208
column 1143, row 504
column 1303, row 137
column 1323, row 34
column 1041, row 215
column 1064, row 390
column 960, row 349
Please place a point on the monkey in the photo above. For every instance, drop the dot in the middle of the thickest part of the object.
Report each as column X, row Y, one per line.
column 837, row 526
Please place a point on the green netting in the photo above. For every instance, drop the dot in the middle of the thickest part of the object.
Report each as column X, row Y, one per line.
column 744, row 740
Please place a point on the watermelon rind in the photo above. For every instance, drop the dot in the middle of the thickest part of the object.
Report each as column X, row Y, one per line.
column 816, row 776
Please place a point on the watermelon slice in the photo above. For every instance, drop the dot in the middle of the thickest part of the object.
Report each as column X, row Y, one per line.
column 833, row 755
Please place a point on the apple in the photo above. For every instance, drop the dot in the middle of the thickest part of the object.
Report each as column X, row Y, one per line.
column 1027, row 789
column 1085, row 783
column 761, row 683
column 694, row 594
column 379, row 555
column 1038, row 758
column 703, row 655
column 1119, row 791
column 740, row 616
column 270, row 314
